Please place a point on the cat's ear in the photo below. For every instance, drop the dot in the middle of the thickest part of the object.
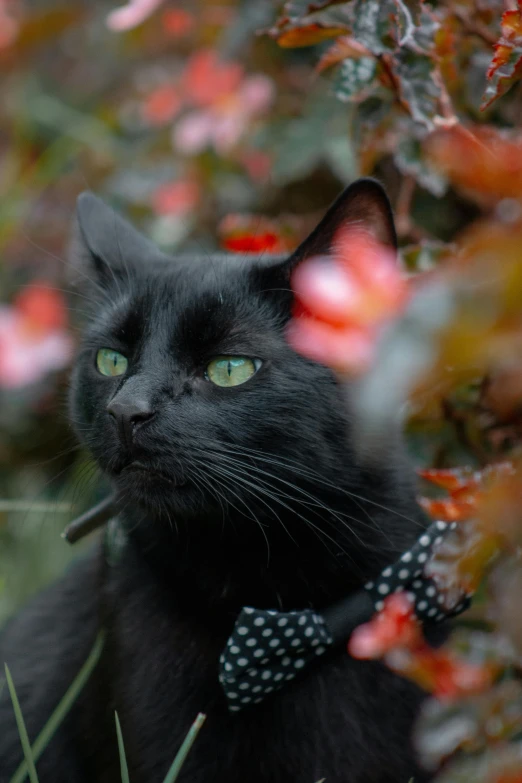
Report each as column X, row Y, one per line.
column 104, row 247
column 363, row 205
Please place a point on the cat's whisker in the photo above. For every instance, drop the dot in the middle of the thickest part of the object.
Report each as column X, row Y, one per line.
column 277, row 498
column 235, row 477
column 312, row 475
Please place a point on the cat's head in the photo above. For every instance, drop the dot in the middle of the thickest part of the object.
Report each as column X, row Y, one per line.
column 185, row 389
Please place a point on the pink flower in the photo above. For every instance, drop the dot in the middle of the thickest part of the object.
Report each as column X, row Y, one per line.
column 176, row 198
column 32, row 337
column 343, row 300
column 8, row 25
column 132, row 14
column 223, row 123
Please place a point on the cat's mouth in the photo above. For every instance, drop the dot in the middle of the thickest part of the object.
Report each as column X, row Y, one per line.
column 145, row 472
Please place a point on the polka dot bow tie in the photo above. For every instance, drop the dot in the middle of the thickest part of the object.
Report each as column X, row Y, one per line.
column 268, row 648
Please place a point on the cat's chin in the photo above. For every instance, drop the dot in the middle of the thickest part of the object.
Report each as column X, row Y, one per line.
column 149, row 487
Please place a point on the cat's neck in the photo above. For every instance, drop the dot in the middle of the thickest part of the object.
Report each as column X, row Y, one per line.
column 285, row 563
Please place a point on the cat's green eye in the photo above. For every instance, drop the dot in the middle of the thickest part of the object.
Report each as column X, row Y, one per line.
column 111, row 362
column 232, row 370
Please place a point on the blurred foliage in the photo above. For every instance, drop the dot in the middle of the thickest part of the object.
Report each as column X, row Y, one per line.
column 234, row 124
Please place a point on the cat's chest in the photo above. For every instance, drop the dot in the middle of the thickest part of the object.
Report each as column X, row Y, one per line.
column 338, row 721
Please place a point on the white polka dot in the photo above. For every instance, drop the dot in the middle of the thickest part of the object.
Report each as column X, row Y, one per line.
column 295, row 642
column 244, row 686
column 266, row 675
column 432, row 611
column 387, row 571
column 438, row 540
column 233, row 708
column 424, row 540
column 406, row 557
column 242, row 630
column 289, row 632
column 404, row 573
column 418, row 572
column 368, row 585
column 417, row 584
column 383, row 588
column 453, row 526
column 410, row 596
column 302, row 620
column 422, row 605
column 309, row 631
column 319, row 650
column 248, row 610
column 259, row 621
column 269, row 689
column 264, row 660
column 228, row 667
column 251, row 642
column 379, row 605
column 259, row 653
column 314, row 642
column 253, row 672
column 242, row 661
column 441, row 525
column 280, row 652
column 267, row 632
column 274, row 642
column 440, row 616
column 282, row 621
column 440, row 599
column 290, row 676
column 234, row 649
column 231, row 695
column 422, row 557
column 256, row 689
column 279, row 676
column 245, row 699
column 299, row 663
column 431, row 591
column 286, row 661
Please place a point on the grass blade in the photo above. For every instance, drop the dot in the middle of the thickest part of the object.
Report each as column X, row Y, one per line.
column 172, row 774
column 121, row 751
column 61, row 709
column 24, row 739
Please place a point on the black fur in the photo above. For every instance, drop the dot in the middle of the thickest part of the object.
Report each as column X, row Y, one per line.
column 265, row 504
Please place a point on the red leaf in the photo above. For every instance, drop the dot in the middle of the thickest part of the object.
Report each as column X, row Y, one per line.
column 344, row 47
column 506, row 65
column 308, row 35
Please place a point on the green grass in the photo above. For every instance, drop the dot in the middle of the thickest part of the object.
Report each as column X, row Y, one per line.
column 24, row 738
column 33, row 752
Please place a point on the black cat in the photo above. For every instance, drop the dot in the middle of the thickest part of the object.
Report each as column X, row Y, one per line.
column 237, row 484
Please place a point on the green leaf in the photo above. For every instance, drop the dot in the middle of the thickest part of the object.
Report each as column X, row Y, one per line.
column 172, row 774
column 409, row 160
column 121, row 751
column 61, row 709
column 373, row 25
column 417, row 88
column 24, row 738
column 340, row 155
column 354, row 78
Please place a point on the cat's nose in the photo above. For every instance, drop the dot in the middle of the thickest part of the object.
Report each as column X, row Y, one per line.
column 129, row 415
